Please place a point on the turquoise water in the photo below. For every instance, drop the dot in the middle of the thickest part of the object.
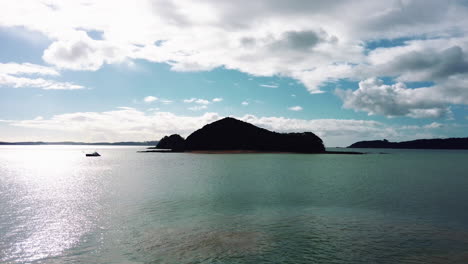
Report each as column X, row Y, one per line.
column 57, row 206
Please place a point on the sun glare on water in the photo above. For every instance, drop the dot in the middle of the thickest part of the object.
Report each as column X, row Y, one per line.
column 53, row 203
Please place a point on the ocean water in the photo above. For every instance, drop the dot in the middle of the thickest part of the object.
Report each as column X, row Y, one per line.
column 58, row 206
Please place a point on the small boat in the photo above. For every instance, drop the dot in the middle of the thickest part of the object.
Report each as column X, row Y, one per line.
column 94, row 154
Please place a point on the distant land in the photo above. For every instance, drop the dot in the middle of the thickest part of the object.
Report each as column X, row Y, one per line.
column 129, row 143
column 437, row 143
column 230, row 135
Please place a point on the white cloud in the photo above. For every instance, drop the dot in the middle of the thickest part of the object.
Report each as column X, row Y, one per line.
column 123, row 124
column 295, row 108
column 269, row 85
column 125, row 108
column 25, row 82
column 434, row 125
column 442, row 61
column 198, row 101
column 13, row 75
column 377, row 98
column 245, row 103
column 149, row 99
column 82, row 53
column 20, row 82
column 197, row 108
column 166, row 101
column 202, row 101
column 434, row 60
column 129, row 124
column 191, row 100
column 311, row 41
column 217, row 100
column 26, row 68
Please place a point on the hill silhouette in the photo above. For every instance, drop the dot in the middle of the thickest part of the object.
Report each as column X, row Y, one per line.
column 232, row 134
column 437, row 143
column 174, row 142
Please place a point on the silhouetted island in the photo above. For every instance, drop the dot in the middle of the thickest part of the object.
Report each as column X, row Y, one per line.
column 173, row 142
column 230, row 135
column 233, row 134
column 437, row 143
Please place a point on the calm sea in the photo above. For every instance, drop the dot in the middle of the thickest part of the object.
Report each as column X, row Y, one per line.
column 58, row 206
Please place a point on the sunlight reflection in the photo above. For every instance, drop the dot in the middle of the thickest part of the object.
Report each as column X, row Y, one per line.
column 55, row 200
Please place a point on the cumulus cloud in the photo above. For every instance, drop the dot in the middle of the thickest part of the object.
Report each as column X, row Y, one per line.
column 299, row 39
column 443, row 62
column 150, row 99
column 331, row 130
column 129, row 124
column 191, row 100
column 202, row 101
column 123, row 124
column 399, row 17
column 81, row 53
column 295, row 108
column 22, row 76
column 217, row 100
column 420, row 60
column 313, row 42
column 375, row 97
column 245, row 103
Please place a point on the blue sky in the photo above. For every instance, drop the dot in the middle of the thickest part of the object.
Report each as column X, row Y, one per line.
column 386, row 69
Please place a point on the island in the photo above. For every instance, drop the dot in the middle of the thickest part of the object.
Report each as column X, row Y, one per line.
column 436, row 143
column 230, row 135
column 173, row 142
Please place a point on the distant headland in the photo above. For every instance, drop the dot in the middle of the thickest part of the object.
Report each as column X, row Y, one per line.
column 230, row 135
column 126, row 143
column 437, row 143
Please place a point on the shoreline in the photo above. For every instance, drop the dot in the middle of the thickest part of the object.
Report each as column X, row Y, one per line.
column 249, row 152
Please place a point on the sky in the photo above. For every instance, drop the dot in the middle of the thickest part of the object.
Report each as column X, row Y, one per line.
column 93, row 71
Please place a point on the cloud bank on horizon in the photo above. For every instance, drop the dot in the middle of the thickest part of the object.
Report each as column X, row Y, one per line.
column 126, row 123
column 408, row 58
